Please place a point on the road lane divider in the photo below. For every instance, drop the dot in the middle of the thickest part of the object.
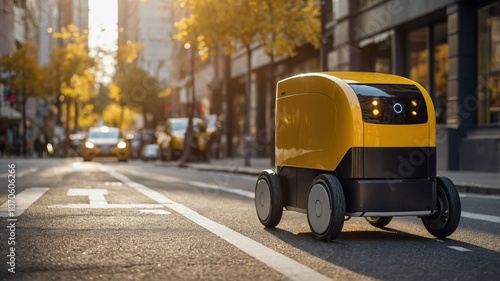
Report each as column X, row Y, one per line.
column 240, row 192
column 482, row 217
column 277, row 261
column 23, row 201
column 20, row 174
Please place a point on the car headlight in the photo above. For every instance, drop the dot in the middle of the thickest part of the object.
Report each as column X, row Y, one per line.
column 89, row 145
column 122, row 145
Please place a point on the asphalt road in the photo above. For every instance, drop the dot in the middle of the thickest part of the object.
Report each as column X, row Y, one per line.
column 105, row 220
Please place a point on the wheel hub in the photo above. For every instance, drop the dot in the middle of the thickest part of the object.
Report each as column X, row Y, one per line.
column 319, row 208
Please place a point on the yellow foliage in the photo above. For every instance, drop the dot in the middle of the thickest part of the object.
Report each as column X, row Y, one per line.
column 282, row 25
column 87, row 117
column 111, row 115
column 114, row 92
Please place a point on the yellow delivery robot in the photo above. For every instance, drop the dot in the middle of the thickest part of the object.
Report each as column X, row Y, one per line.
column 355, row 144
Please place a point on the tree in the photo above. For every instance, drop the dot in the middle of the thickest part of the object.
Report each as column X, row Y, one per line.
column 25, row 78
column 291, row 23
column 126, row 57
column 138, row 89
column 279, row 25
column 71, row 70
column 228, row 22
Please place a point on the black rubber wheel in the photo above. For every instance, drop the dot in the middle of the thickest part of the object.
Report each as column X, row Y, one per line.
column 269, row 198
column 447, row 217
column 379, row 221
column 326, row 207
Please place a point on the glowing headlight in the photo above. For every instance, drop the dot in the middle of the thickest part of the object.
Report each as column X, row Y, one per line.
column 122, row 144
column 89, row 145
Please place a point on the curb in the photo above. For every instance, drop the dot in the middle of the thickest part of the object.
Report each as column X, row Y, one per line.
column 477, row 189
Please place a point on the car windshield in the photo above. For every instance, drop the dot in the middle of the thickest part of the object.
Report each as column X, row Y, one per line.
column 181, row 125
column 111, row 134
column 212, row 122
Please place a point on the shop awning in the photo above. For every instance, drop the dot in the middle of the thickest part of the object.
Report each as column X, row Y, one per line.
column 9, row 113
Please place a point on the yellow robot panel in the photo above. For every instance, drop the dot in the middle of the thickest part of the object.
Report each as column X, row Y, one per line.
column 317, row 122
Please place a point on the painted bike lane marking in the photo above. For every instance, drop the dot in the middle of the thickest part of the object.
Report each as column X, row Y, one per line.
column 23, row 201
column 279, row 262
column 97, row 200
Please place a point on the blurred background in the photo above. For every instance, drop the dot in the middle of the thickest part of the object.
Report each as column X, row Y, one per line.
column 67, row 65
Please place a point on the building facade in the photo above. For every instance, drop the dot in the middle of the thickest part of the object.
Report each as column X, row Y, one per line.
column 32, row 21
column 450, row 47
column 151, row 24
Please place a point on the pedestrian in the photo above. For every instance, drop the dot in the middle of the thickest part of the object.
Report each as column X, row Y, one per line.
column 3, row 142
column 40, row 145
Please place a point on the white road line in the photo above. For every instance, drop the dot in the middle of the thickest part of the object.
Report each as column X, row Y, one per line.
column 23, row 200
column 480, row 196
column 20, row 174
column 107, row 206
column 279, row 262
column 461, row 249
column 241, row 192
column 155, row 212
column 481, row 217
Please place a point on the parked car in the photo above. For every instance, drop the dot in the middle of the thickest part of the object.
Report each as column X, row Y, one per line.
column 105, row 142
column 76, row 141
column 138, row 140
column 171, row 140
column 149, row 152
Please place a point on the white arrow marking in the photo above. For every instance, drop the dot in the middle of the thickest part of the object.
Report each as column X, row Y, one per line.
column 156, row 212
column 96, row 196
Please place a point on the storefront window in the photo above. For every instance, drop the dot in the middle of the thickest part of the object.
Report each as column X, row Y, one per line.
column 417, row 56
column 440, row 85
column 489, row 65
column 434, row 79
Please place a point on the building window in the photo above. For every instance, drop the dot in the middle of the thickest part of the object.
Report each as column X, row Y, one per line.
column 440, row 83
column 430, row 69
column 489, row 65
column 418, row 56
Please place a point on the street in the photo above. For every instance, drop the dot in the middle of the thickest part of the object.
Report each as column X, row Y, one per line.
column 148, row 221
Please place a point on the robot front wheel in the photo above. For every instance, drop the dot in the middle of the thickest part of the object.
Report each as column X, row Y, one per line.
column 269, row 198
column 326, row 207
column 447, row 217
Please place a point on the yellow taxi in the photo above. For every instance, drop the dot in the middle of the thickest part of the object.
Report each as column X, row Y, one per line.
column 105, row 142
column 171, row 140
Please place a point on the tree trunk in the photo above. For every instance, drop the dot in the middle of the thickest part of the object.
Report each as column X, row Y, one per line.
column 272, row 108
column 24, row 127
column 228, row 117
column 76, row 127
column 188, row 138
column 248, row 94
column 68, row 116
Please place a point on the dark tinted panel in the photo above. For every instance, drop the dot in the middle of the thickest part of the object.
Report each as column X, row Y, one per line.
column 391, row 103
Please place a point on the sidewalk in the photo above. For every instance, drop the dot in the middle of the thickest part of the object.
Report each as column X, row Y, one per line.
column 466, row 181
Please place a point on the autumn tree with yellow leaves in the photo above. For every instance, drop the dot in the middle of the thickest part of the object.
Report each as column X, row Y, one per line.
column 72, row 75
column 278, row 25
